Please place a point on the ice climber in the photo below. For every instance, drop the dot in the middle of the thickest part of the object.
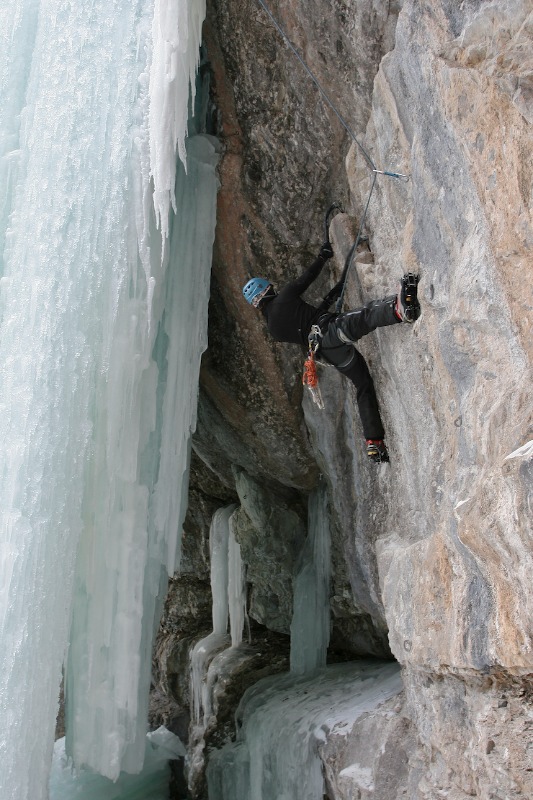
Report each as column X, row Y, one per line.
column 290, row 319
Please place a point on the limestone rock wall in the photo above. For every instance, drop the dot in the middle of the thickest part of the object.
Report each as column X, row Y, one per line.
column 432, row 554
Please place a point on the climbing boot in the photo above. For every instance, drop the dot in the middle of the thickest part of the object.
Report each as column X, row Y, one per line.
column 407, row 307
column 376, row 450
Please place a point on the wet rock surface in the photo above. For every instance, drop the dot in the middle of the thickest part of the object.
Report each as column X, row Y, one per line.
column 431, row 554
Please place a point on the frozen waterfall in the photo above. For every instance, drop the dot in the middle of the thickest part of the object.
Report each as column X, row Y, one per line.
column 151, row 784
column 103, row 321
column 282, row 720
column 117, row 598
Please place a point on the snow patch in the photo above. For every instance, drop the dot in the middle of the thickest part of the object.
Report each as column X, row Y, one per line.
column 525, row 452
column 362, row 777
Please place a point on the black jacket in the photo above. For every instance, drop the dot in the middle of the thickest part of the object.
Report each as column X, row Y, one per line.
column 288, row 317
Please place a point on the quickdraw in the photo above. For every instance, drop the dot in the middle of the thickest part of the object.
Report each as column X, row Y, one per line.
column 310, row 375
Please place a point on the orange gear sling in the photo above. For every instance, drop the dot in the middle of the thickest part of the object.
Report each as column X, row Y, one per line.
column 310, row 375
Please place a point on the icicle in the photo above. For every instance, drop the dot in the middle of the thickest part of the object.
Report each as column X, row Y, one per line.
column 310, row 627
column 176, row 34
column 218, row 549
column 236, row 589
column 202, row 654
column 204, row 650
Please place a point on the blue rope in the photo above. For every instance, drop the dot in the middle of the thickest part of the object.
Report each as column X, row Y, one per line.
column 318, row 85
column 352, row 135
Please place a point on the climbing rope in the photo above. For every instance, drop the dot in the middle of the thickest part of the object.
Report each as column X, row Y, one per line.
column 318, row 85
column 327, row 99
column 352, row 135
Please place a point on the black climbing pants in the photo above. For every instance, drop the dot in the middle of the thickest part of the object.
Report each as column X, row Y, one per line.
column 338, row 349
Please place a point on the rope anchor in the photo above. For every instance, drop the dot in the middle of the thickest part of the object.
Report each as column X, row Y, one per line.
column 398, row 175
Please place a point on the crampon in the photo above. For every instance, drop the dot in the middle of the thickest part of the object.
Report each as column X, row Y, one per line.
column 407, row 305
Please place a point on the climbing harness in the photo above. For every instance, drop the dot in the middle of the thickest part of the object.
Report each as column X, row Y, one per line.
column 310, row 376
column 340, row 287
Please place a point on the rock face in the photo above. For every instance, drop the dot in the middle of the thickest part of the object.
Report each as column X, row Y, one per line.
column 431, row 555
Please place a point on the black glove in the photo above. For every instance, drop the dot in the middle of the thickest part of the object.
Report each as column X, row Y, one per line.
column 326, row 251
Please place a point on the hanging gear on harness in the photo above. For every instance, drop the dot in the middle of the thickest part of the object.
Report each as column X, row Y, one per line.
column 310, row 375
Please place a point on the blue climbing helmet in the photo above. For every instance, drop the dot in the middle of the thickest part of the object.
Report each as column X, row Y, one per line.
column 255, row 289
